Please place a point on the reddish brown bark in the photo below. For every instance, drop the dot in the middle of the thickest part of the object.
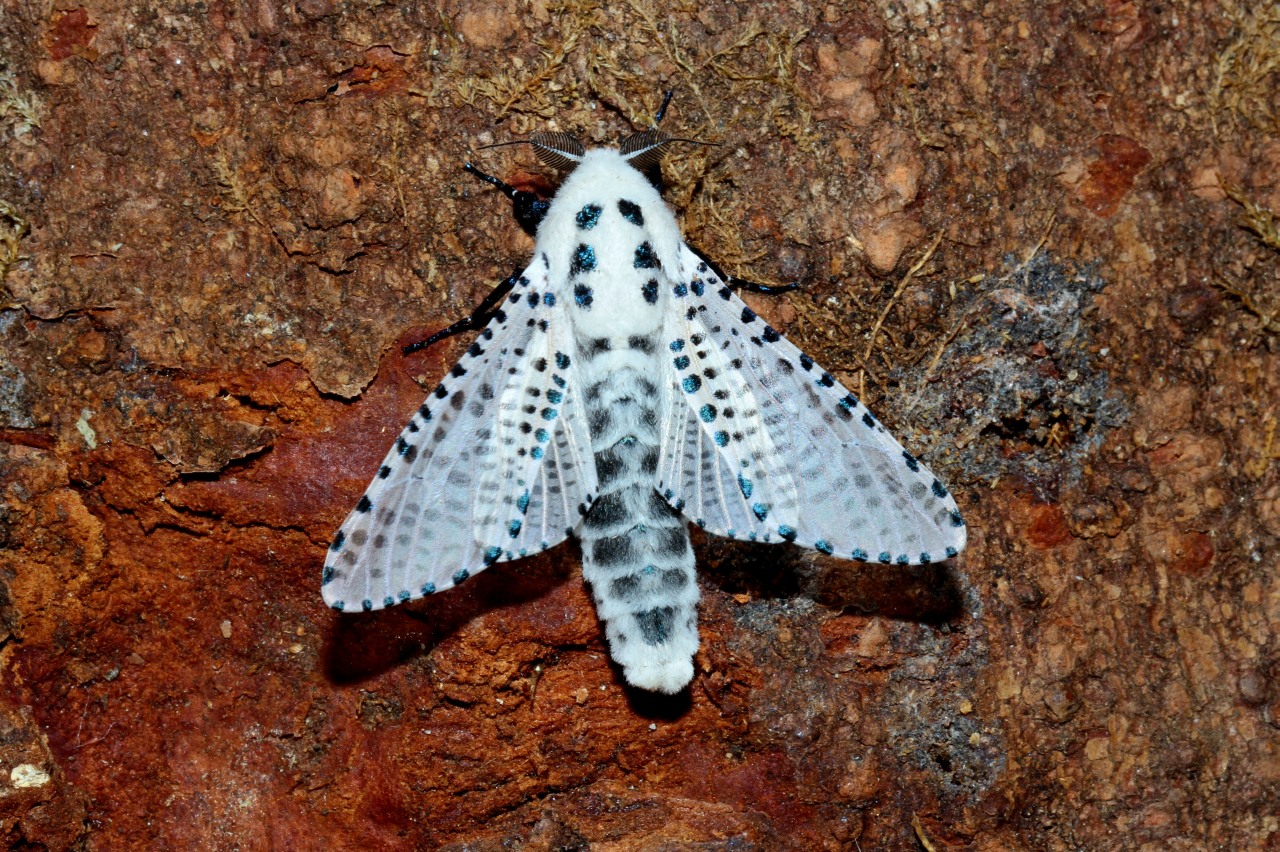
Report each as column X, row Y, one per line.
column 239, row 213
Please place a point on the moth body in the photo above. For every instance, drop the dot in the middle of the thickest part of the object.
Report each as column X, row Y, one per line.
column 621, row 392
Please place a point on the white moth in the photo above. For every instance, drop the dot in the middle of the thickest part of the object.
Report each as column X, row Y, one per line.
column 621, row 391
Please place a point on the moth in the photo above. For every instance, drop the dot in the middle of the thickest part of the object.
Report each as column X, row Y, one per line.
column 619, row 391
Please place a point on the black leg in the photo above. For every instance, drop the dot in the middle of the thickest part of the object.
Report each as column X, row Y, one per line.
column 478, row 319
column 768, row 289
column 743, row 284
column 662, row 110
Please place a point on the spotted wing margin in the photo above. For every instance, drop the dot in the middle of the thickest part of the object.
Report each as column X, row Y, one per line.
column 466, row 484
column 858, row 494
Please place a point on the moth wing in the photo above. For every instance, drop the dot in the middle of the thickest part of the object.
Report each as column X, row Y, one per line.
column 857, row 493
column 462, row 487
column 723, row 461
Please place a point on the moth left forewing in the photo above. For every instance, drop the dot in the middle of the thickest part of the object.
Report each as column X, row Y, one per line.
column 435, row 513
column 859, row 493
column 411, row 531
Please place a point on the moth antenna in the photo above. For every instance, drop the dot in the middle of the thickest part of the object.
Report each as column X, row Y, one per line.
column 557, row 150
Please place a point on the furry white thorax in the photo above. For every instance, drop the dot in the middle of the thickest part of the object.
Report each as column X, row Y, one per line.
column 604, row 178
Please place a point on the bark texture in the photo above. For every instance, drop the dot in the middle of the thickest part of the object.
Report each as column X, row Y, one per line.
column 1036, row 239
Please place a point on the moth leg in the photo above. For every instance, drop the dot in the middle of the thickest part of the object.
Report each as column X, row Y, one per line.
column 529, row 208
column 662, row 110
column 741, row 283
column 768, row 289
column 478, row 319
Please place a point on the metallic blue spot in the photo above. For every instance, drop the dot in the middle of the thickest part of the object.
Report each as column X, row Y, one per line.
column 677, row 344
column 650, row 291
column 925, row 558
column 522, row 502
column 583, row 296
column 549, row 299
column 859, row 553
column 562, row 360
column 668, row 494
column 588, row 217
column 514, row 528
column 583, row 260
column 822, row 546
column 748, row 315
column 939, row 490
column 760, row 510
column 429, row 589
column 542, row 436
column 884, row 557
column 679, row 504
column 327, row 577
column 956, row 520
column 787, row 533
column 536, row 452
column 903, row 559
column 338, row 540
column 646, row 258
column 339, row 605
column 681, row 362
column 554, row 397
column 746, row 486
column 721, row 438
column 691, row 384
column 951, row 552
column 911, row 461
column 549, row 414
column 770, row 335
column 707, row 413
column 366, row 605
column 697, row 287
column 680, row 290
column 560, row 383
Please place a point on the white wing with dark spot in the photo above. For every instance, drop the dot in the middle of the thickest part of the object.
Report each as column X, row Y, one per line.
column 769, row 447
column 495, row 465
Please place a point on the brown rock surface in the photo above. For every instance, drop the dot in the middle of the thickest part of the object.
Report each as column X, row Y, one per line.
column 219, row 223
